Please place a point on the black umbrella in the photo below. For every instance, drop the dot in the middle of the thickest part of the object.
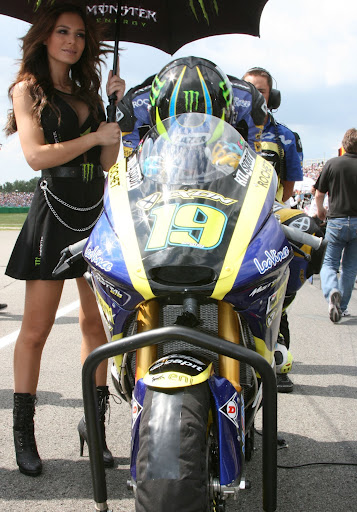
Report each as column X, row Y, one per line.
column 163, row 24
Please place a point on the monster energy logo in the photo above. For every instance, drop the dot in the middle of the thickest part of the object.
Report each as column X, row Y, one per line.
column 37, row 4
column 156, row 87
column 227, row 93
column 201, row 4
column 191, row 100
column 87, row 172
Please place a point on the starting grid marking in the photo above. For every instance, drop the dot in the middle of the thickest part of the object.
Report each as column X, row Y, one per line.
column 10, row 338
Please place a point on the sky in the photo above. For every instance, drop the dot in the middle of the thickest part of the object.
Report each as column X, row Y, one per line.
column 309, row 47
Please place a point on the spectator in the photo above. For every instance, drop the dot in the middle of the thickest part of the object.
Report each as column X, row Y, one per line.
column 339, row 179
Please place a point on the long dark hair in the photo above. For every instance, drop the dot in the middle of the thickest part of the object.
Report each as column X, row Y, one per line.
column 34, row 68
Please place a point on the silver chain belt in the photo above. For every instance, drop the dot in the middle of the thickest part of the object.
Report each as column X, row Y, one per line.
column 45, row 189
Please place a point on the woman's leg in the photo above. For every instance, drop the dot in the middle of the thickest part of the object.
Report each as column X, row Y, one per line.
column 41, row 303
column 93, row 334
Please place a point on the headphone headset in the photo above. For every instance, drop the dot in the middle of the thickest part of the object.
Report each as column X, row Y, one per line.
column 274, row 95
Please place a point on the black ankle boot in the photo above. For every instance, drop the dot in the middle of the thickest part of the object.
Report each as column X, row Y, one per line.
column 27, row 456
column 103, row 401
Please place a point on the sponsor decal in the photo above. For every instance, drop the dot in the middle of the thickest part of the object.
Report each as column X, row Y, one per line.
column 148, row 202
column 37, row 261
column 265, row 175
column 120, row 296
column 273, row 259
column 191, row 100
column 107, row 311
column 270, row 317
column 95, row 257
column 140, row 102
column 194, row 139
column 230, row 409
column 119, row 115
column 275, row 298
column 201, row 8
column 245, row 168
column 261, row 288
column 156, row 87
column 107, row 12
column 175, row 359
column 136, row 409
column 284, row 140
column 134, row 177
column 114, row 179
column 87, row 172
column 257, row 147
column 227, row 93
column 302, row 223
column 242, row 103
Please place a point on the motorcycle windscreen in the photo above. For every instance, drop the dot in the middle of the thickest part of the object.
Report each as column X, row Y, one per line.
column 191, row 195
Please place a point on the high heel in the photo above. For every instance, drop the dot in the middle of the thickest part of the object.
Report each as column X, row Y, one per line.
column 103, row 402
column 81, row 441
column 27, row 456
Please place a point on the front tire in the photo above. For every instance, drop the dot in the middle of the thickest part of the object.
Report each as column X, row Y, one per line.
column 171, row 463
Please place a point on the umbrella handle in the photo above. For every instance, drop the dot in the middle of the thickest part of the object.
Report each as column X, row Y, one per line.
column 111, row 108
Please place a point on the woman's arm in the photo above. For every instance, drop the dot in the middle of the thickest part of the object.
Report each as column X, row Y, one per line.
column 40, row 155
column 116, row 85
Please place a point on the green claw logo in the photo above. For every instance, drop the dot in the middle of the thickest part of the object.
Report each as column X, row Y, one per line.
column 226, row 91
column 191, row 100
column 87, row 172
column 201, row 4
column 37, row 3
column 156, row 87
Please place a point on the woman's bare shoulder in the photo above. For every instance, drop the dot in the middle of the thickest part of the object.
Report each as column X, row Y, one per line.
column 22, row 88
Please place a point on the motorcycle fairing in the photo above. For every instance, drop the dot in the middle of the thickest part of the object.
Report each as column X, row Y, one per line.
column 136, row 408
column 177, row 370
column 103, row 252
column 267, row 253
column 229, row 405
column 187, row 246
column 256, row 206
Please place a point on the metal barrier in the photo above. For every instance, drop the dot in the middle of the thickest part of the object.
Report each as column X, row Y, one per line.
column 202, row 340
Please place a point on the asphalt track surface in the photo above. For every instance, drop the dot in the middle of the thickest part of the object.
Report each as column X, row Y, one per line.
column 318, row 420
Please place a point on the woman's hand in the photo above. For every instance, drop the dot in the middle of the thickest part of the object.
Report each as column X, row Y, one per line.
column 108, row 134
column 116, row 85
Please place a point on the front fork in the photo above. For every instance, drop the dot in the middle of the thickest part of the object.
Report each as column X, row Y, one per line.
column 228, row 328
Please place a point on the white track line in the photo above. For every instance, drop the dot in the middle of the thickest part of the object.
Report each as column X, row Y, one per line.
column 10, row 338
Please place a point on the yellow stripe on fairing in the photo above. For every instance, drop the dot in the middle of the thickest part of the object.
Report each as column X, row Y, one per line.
column 124, row 228
column 243, row 231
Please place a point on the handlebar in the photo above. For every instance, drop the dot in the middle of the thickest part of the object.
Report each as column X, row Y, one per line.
column 296, row 235
column 69, row 255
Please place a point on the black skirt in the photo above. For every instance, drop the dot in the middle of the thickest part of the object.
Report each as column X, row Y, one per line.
column 51, row 226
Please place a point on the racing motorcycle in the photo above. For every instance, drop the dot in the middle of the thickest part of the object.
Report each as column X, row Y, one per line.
column 190, row 265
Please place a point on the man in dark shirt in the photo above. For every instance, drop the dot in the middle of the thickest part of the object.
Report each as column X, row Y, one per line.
column 339, row 179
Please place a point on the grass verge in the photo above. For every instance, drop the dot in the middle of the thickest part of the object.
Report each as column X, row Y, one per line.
column 12, row 220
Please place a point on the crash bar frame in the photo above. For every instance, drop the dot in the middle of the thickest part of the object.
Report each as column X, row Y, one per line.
column 200, row 339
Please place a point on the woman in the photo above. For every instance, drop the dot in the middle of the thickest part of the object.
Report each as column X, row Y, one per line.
column 60, row 120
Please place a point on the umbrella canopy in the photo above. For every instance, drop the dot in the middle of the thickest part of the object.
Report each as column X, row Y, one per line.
column 163, row 24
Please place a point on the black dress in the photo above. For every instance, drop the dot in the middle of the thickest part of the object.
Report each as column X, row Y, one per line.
column 51, row 225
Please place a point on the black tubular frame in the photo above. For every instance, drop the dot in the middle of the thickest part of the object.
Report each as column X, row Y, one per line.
column 202, row 340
